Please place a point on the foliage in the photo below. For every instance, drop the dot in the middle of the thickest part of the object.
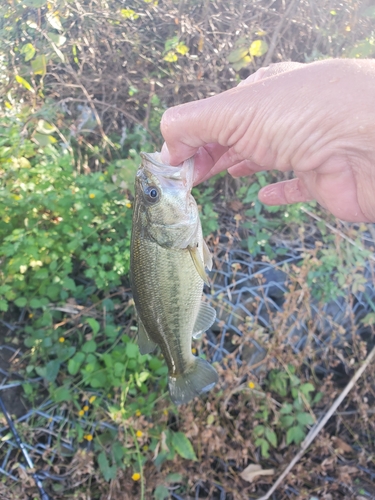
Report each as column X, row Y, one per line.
column 204, row 195
column 82, row 96
column 293, row 418
column 53, row 221
column 263, row 220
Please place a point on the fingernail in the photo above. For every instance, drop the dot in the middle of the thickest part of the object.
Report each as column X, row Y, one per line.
column 165, row 155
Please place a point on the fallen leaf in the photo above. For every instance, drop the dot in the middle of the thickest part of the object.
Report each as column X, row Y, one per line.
column 340, row 445
column 252, row 471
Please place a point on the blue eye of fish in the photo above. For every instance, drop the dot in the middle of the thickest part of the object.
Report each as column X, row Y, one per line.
column 152, row 194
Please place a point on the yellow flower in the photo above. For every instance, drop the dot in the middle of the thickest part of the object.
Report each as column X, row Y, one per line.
column 251, row 385
column 92, row 399
column 139, row 434
column 81, row 413
column 165, row 412
column 91, row 195
column 62, row 339
column 128, row 204
column 136, row 476
column 138, row 413
column 88, row 437
column 145, row 447
column 31, row 315
column 85, row 408
column 193, row 350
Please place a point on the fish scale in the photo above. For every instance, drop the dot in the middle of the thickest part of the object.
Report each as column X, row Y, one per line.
column 168, row 257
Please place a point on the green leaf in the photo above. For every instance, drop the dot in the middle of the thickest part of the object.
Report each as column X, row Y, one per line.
column 171, row 43
column 258, row 430
column 183, row 446
column 307, row 388
column 161, row 492
column 74, row 364
column 62, row 394
column 52, row 370
column 39, row 65
column 28, row 51
column 94, row 325
column 264, row 447
column 3, row 305
column 53, row 291
column 174, row 477
column 243, row 63
column 271, row 436
column 44, row 140
column 35, row 303
column 258, row 48
column 89, row 346
column 295, row 434
column 286, row 408
column 305, row 418
column 58, row 40
column 287, row 421
column 238, row 54
column 132, row 350
column 24, row 83
column 69, row 284
column 109, row 472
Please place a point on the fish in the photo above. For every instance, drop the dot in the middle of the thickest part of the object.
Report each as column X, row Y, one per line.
column 168, row 262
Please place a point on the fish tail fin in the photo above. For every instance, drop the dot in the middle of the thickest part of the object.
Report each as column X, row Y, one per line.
column 198, row 378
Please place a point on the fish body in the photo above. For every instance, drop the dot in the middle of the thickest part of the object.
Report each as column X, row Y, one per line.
column 168, row 260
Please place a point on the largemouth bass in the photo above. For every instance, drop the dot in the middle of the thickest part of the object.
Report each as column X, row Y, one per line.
column 168, row 261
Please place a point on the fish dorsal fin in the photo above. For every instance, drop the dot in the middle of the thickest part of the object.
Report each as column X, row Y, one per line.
column 199, row 264
column 206, row 317
column 207, row 257
column 145, row 344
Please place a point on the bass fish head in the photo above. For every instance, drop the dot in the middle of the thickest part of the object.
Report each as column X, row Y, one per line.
column 164, row 205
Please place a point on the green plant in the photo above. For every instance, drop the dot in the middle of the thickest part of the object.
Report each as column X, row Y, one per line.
column 296, row 416
column 289, row 420
column 204, row 195
column 262, row 220
column 52, row 222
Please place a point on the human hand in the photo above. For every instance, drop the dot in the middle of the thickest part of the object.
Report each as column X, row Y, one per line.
column 317, row 120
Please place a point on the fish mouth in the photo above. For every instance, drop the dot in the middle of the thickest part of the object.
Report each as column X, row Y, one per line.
column 183, row 172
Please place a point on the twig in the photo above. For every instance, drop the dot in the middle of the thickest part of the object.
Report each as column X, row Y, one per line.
column 335, row 230
column 319, row 425
column 276, row 32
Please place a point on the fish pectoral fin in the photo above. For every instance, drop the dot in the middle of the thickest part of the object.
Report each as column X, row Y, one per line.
column 145, row 344
column 199, row 264
column 207, row 257
column 205, row 319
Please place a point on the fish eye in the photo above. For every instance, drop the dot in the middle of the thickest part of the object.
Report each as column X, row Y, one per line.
column 152, row 194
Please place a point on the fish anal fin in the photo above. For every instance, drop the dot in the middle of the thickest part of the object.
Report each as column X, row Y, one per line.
column 205, row 319
column 199, row 265
column 145, row 344
column 198, row 378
